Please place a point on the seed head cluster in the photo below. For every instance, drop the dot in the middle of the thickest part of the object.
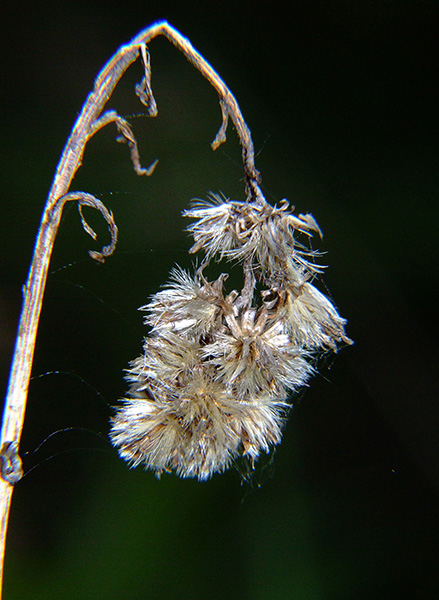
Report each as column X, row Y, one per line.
column 218, row 368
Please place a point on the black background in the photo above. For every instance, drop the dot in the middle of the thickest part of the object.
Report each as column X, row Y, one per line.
column 340, row 98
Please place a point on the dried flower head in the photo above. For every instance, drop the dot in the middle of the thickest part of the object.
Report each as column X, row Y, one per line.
column 196, row 428
column 216, row 372
column 218, row 369
column 256, row 231
column 186, row 303
column 258, row 356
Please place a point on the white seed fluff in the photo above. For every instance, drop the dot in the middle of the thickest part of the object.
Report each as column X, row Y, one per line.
column 216, row 373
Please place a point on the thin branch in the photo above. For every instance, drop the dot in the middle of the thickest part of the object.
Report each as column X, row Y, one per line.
column 126, row 137
column 85, row 199
column 91, row 120
column 246, row 296
column 220, row 137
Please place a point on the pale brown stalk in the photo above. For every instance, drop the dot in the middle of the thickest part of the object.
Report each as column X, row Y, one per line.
column 90, row 121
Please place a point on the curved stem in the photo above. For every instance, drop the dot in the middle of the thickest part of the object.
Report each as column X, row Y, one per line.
column 89, row 121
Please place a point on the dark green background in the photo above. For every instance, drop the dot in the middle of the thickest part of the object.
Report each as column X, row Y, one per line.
column 340, row 98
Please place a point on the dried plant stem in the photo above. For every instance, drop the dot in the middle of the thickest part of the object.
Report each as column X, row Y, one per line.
column 91, row 120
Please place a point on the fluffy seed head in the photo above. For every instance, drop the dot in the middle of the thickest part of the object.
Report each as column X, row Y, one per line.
column 185, row 304
column 194, row 429
column 260, row 232
column 257, row 356
column 216, row 371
